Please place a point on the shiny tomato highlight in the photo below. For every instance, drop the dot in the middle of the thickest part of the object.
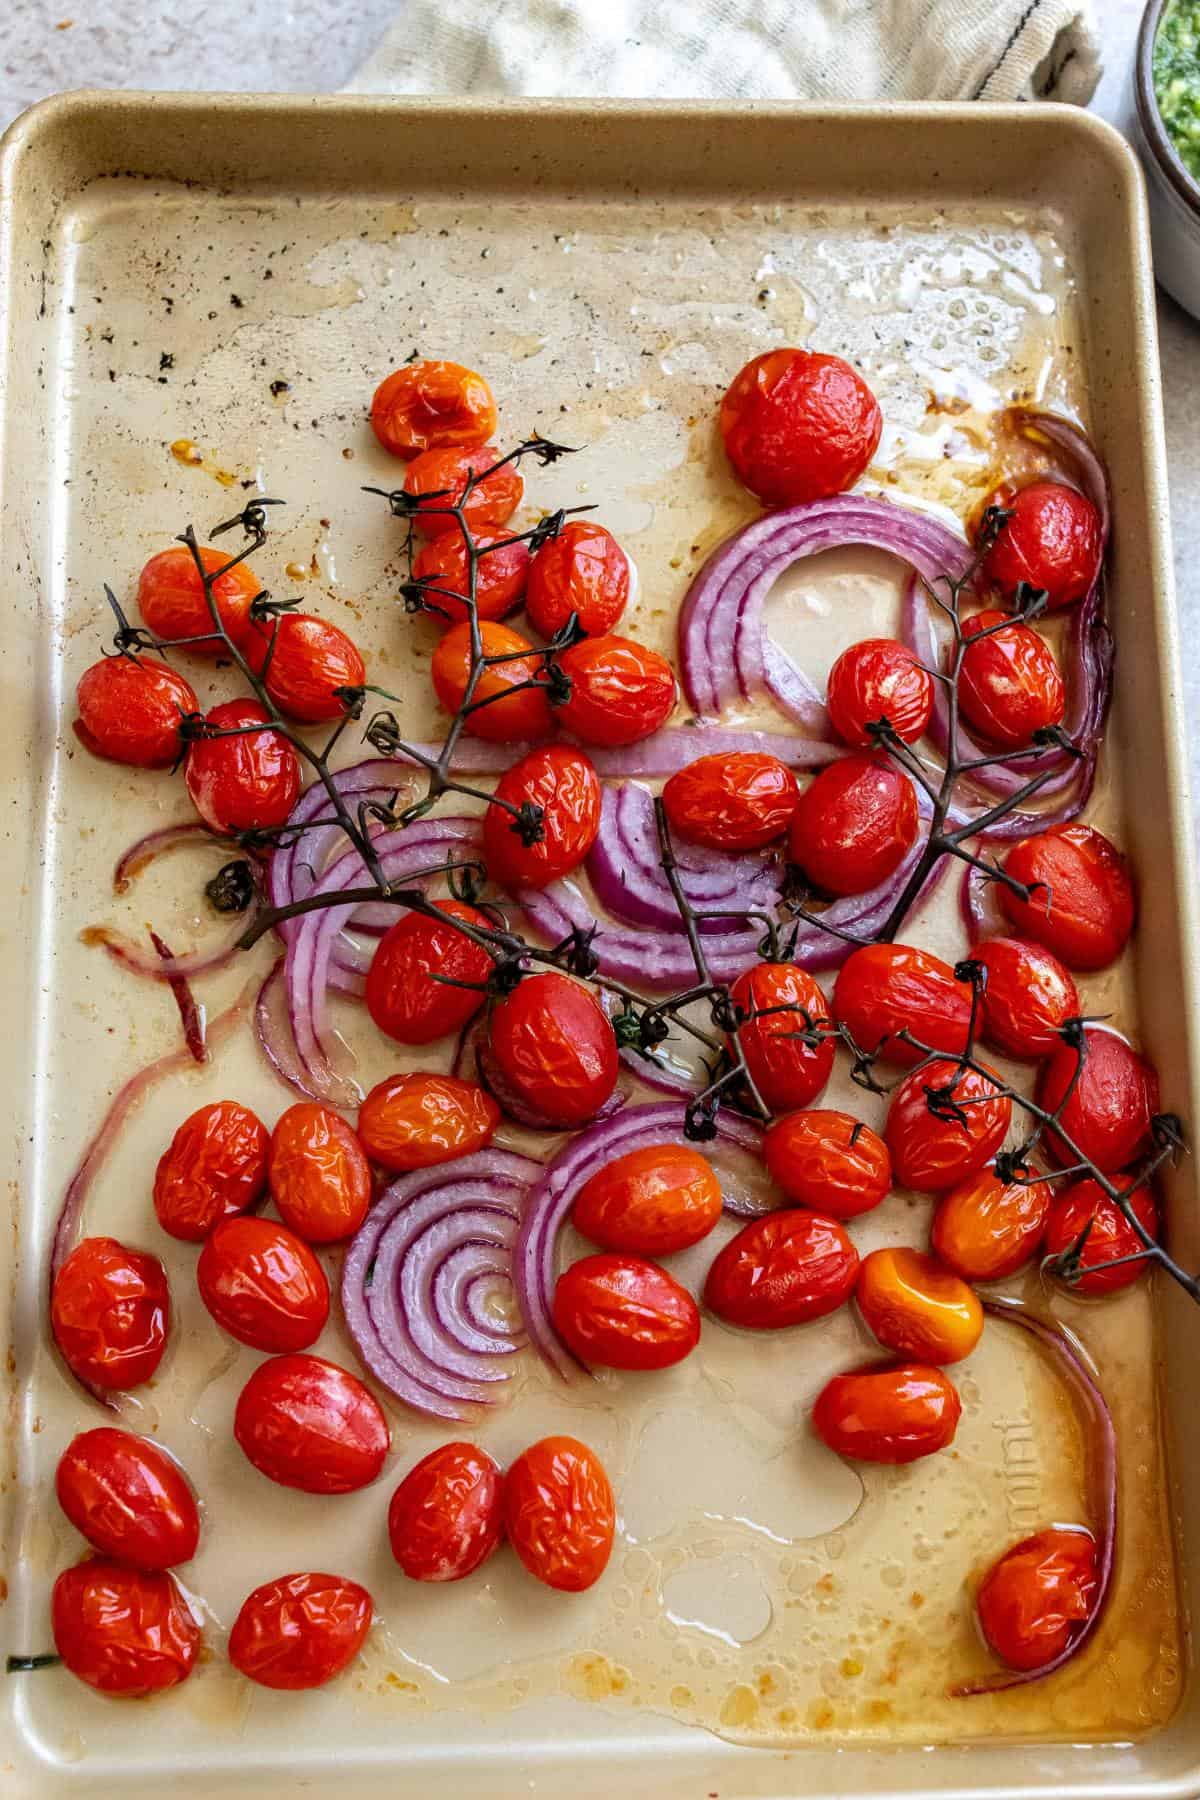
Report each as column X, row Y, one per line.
column 986, row 1229
column 437, row 479
column 878, row 679
column 559, row 1513
column 854, row 825
column 171, row 600
column 651, row 1202
column 1110, row 1236
column 432, row 405
column 778, row 1001
column 416, row 1121
column 299, row 1631
column 447, row 1515
column 308, row 1424
column 503, row 708
column 500, row 575
column 582, row 571
column 263, row 1285
column 799, row 426
column 128, row 1498
column 944, row 1122
column 1029, row 996
column 620, row 691
column 126, row 1632
column 623, row 1312
column 783, row 1269
column 248, row 782
column 1009, row 684
column 1108, row 1113
column 214, row 1166
column 402, row 997
column 916, row 1308
column 109, row 1311
column 1033, row 1600
column 828, row 1161
column 1081, row 905
column 1051, row 541
column 311, row 659
column 891, row 1414
column 318, row 1174
column 130, row 708
column 555, row 1048
column 734, row 800
column 563, row 783
column 883, row 989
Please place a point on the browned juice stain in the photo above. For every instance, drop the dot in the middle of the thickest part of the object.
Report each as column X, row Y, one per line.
column 188, row 452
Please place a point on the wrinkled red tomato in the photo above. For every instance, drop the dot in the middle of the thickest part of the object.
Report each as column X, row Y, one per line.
column 263, row 1285
column 1029, row 995
column 247, row 782
column 559, row 1513
column 310, row 659
column 432, row 405
column 623, row 1312
column 1110, row 1236
column 652, row 1201
column 799, row 426
column 783, row 1269
column 299, row 1631
column 214, row 1166
column 854, row 825
column 1107, row 1113
column 582, row 571
column 1009, row 684
column 504, row 709
column 555, row 1048
column 437, row 479
column 124, row 1631
column 402, row 996
column 1082, row 901
column 318, row 1174
column 171, row 600
column 620, row 691
column 944, row 1122
column 130, row 708
column 500, row 574
column 916, row 1308
column 1035, row 1597
column 415, row 1121
column 883, row 989
column 986, row 1229
column 891, row 1414
column 447, row 1515
column 1051, row 541
column 130, row 1500
column 109, row 1312
column 777, row 1002
column 308, row 1424
column 563, row 782
column 877, row 679
column 829, row 1161
column 735, row 800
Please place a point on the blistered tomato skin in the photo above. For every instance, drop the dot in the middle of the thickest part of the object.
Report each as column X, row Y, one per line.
column 498, row 714
column 128, row 1498
column 783, row 1269
column 884, row 989
column 126, row 1632
column 247, row 782
column 109, row 1312
column 1052, row 541
column 649, row 1202
column 130, row 708
column 890, row 1415
column 1033, row 1600
column 1082, row 901
column 171, row 598
column 306, row 1423
column 985, row 1229
column 1009, row 685
column 623, row 1312
column 263, row 1285
column 930, row 1152
column 432, row 405
column 854, row 825
column 500, row 575
column 299, row 1631
column 447, row 1515
column 403, row 999
column 1107, row 1114
column 620, row 691
column 559, row 1513
column 828, row 1161
column 1029, row 995
column 775, row 1002
column 738, row 800
column 564, row 783
column 215, row 1166
column 419, row 1120
column 877, row 679
column 799, row 426
column 916, row 1308
column 310, row 659
column 1110, row 1236
column 442, row 475
column 555, row 1048
column 318, row 1174
column 582, row 571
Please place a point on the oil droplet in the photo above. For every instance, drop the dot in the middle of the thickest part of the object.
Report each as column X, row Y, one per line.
column 592, row 1677
column 184, row 450
column 296, row 571
column 740, row 1706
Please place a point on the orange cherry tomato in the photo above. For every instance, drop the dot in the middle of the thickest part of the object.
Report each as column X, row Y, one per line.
column 893, row 1414
column 779, row 1001
column 403, row 998
column 415, row 1121
column 559, row 1513
column 623, row 1312
column 308, row 1424
column 555, row 1048
column 1009, row 685
column 263, row 1285
column 214, row 1166
column 582, row 571
column 651, row 1202
column 1109, row 1111
column 878, row 679
column 130, row 1500
column 564, row 783
column 500, row 716
column 1035, row 1597
column 1110, row 1236
column 171, row 600
column 310, row 659
column 986, row 1229
column 124, row 1631
column 447, row 1515
column 734, row 800
column 854, row 825
column 248, row 782
column 620, row 691
column 432, row 405
column 917, row 1308
column 299, row 1631
column 500, row 575
column 1082, row 902
column 130, row 708
column 318, row 1174
column 1029, row 995
column 109, row 1312
column 882, row 989
column 783, row 1269
column 944, row 1122
column 828, row 1161
column 442, row 475
column 1052, row 541
column 799, row 426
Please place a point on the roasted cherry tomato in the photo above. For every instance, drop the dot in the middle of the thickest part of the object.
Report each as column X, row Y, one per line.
column 1009, row 685
column 783, row 1269
column 415, row 1121
column 299, row 1631
column 944, row 1122
column 124, row 1631
column 432, row 405
column 1107, row 1112
column 1110, row 1236
column 555, row 1047
column 893, row 1414
column 318, row 1174
column 171, row 600
column 625, row 1313
column 582, row 571
column 878, row 679
column 403, row 998
column 501, row 716
column 263, row 1285
column 129, row 1498
column 109, row 1312
column 884, row 989
column 559, row 1513
column 1029, row 995
column 917, row 1308
column 829, row 1161
column 130, row 708
column 1052, row 541
column 734, row 800
column 652, row 1202
column 986, row 1229
column 799, row 426
column 564, row 784
column 1082, row 902
column 214, row 1166
column 1033, row 1600
column 308, row 1424
column 247, row 782
column 777, row 1001
column 447, row 1515
column 443, row 476
column 310, row 659
column 500, row 575
column 854, row 825
column 620, row 691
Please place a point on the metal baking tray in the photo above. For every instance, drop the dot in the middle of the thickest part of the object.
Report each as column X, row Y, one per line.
column 167, row 261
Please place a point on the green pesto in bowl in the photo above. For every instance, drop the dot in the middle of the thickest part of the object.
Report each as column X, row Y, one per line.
column 1177, row 79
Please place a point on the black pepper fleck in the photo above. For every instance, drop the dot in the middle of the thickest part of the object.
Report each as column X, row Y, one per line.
column 235, row 300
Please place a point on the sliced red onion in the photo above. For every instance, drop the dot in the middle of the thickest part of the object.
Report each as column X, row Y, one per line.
column 1083, row 461
column 191, row 1015
column 151, row 962
column 662, row 753
column 298, row 863
column 274, row 1032
column 627, row 874
column 148, row 849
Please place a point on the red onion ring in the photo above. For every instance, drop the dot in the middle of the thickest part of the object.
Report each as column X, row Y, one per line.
column 152, row 963
column 191, row 1015
column 628, row 877
column 274, row 1033
column 662, row 753
column 148, row 849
